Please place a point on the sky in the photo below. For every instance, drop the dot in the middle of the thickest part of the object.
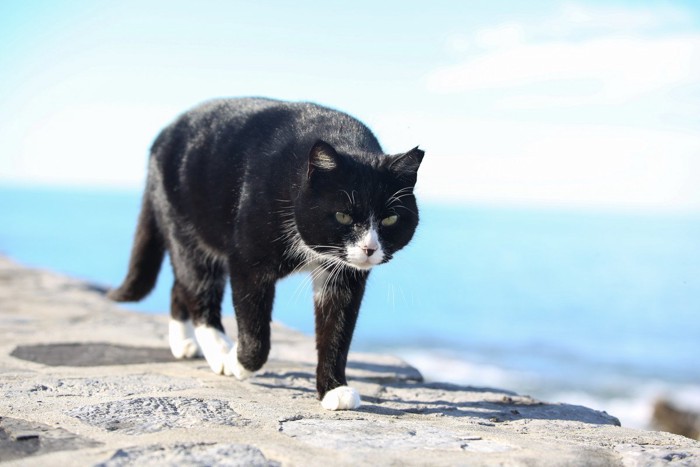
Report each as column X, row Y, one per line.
column 592, row 104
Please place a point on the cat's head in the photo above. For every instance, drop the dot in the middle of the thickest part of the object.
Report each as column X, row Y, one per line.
column 360, row 208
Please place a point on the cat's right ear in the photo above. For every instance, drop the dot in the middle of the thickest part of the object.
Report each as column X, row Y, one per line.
column 322, row 157
column 406, row 165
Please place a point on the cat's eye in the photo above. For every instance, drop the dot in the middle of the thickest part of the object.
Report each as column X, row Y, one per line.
column 343, row 218
column 391, row 220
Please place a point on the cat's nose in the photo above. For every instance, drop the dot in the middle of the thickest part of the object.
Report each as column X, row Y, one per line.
column 370, row 242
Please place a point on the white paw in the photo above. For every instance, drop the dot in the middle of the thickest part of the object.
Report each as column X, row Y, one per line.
column 341, row 398
column 215, row 346
column 183, row 344
column 234, row 367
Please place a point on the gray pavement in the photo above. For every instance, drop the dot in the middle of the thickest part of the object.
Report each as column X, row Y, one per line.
column 85, row 382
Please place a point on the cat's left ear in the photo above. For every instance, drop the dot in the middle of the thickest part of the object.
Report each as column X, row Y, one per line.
column 322, row 157
column 406, row 165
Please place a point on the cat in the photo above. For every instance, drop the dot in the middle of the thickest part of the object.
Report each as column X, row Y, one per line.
column 255, row 189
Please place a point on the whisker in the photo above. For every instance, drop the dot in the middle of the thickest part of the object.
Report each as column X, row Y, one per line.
column 350, row 199
column 391, row 296
column 331, row 280
column 407, row 209
column 396, row 197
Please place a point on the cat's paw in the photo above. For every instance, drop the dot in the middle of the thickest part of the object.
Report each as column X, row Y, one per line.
column 341, row 398
column 215, row 346
column 234, row 367
column 183, row 343
column 187, row 348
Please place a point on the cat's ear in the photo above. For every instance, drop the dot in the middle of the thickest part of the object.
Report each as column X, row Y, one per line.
column 405, row 166
column 322, row 157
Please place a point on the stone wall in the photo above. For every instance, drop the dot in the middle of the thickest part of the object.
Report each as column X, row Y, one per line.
column 84, row 382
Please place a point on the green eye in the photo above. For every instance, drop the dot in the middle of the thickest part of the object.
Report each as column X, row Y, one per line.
column 343, row 218
column 389, row 221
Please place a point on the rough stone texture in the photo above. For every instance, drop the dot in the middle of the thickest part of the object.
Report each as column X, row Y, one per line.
column 30, row 388
column 151, row 414
column 380, row 434
column 76, row 368
column 190, row 454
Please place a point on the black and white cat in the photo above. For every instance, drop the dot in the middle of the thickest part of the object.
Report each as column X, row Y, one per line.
column 256, row 189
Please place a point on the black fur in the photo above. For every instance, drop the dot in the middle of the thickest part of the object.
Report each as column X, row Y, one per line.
column 251, row 188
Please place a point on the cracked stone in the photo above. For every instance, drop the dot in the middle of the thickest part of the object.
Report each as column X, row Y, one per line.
column 193, row 454
column 365, row 434
column 153, row 414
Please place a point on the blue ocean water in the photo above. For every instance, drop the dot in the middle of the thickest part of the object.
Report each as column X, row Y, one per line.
column 596, row 307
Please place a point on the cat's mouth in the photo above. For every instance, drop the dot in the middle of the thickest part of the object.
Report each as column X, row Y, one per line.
column 353, row 261
column 364, row 258
column 355, row 256
column 365, row 252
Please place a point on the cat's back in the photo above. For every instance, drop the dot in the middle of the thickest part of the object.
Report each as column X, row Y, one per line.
column 239, row 112
column 222, row 139
column 256, row 121
column 213, row 140
column 229, row 115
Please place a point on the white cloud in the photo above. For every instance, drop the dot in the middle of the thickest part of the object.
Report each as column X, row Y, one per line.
column 575, row 21
column 459, row 42
column 621, row 52
column 531, row 84
column 575, row 17
column 503, row 35
column 528, row 163
column 621, row 67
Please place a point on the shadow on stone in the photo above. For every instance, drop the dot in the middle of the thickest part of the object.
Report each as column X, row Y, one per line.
column 91, row 354
column 21, row 438
column 379, row 373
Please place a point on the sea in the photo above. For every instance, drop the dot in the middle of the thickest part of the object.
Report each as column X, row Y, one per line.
column 596, row 308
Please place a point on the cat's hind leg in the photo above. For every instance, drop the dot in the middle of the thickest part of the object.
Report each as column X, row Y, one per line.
column 183, row 343
column 216, row 347
column 196, row 307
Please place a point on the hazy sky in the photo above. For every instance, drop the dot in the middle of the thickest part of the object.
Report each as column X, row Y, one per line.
column 530, row 103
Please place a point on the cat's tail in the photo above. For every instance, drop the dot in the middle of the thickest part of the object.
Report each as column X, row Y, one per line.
column 146, row 257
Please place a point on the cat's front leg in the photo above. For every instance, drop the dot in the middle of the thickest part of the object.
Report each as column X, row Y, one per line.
column 337, row 304
column 253, row 294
